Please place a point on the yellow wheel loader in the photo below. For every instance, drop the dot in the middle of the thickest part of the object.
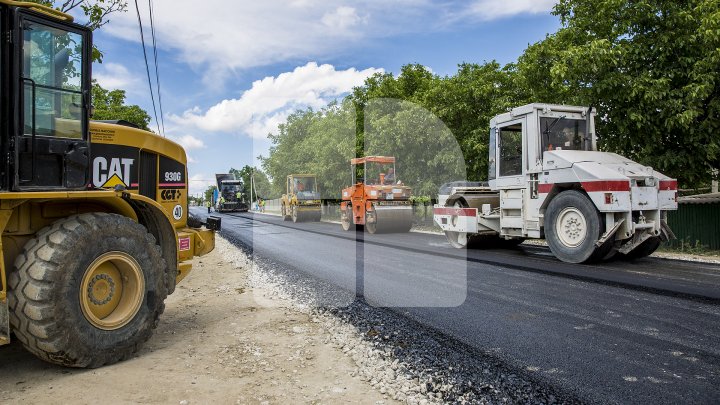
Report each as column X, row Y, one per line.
column 93, row 215
column 302, row 200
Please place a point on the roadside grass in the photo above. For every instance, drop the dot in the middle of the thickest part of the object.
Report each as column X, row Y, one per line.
column 688, row 247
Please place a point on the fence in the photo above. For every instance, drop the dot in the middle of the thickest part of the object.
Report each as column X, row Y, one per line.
column 697, row 221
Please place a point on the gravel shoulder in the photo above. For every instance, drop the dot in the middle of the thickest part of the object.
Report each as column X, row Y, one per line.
column 222, row 339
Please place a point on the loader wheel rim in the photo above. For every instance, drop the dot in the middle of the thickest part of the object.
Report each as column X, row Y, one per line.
column 571, row 227
column 111, row 291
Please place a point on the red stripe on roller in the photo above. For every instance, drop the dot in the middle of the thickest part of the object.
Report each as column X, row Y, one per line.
column 611, row 185
column 461, row 212
column 545, row 188
column 670, row 185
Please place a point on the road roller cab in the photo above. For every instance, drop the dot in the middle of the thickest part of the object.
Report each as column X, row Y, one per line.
column 377, row 199
column 546, row 179
column 301, row 201
column 93, row 215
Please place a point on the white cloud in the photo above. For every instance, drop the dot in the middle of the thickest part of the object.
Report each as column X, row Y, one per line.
column 260, row 109
column 494, row 9
column 342, row 18
column 113, row 76
column 189, row 142
column 220, row 37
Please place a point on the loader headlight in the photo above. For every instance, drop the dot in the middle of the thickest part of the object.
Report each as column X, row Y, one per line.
column 650, row 182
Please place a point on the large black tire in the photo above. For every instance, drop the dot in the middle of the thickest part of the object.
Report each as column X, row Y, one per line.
column 572, row 228
column 347, row 222
column 370, row 226
column 283, row 213
column 645, row 249
column 47, row 313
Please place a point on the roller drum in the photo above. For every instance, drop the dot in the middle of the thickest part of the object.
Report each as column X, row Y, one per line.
column 307, row 216
column 393, row 219
column 478, row 200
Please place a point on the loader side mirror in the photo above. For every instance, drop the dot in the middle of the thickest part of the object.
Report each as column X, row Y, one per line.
column 213, row 223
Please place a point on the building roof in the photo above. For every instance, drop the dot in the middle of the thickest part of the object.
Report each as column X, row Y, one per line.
column 710, row 198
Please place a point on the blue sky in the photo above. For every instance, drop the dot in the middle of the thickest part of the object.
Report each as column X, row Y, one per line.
column 230, row 71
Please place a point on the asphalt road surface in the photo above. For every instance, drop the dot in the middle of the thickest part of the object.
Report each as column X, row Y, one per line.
column 642, row 332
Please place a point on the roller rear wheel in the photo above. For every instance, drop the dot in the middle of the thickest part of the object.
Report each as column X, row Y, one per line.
column 295, row 214
column 346, row 219
column 284, row 213
column 573, row 227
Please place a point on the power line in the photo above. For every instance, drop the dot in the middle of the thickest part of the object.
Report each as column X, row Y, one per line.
column 147, row 66
column 157, row 73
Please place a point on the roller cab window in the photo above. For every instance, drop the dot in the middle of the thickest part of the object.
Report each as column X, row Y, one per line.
column 564, row 134
column 510, row 150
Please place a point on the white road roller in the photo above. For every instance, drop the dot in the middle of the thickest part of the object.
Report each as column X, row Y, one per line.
column 548, row 180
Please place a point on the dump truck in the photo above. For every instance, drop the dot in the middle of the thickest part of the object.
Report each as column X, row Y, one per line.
column 231, row 194
column 377, row 199
column 301, row 201
column 547, row 179
column 93, row 215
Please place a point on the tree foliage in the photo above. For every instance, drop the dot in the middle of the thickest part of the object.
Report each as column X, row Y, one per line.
column 110, row 105
column 210, row 192
column 650, row 67
column 263, row 188
column 312, row 142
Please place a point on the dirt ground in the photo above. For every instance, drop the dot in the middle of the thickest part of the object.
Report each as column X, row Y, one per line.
column 219, row 341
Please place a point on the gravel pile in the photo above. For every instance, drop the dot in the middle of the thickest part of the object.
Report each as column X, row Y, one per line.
column 400, row 358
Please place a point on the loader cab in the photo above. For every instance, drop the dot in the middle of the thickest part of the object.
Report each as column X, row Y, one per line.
column 519, row 139
column 45, row 100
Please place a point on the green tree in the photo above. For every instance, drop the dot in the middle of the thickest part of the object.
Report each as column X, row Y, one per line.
column 263, row 188
column 314, row 142
column 210, row 192
column 110, row 105
column 97, row 13
column 651, row 69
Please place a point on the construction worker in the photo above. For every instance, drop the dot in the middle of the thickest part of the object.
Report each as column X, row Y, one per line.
column 390, row 176
column 238, row 195
column 208, row 205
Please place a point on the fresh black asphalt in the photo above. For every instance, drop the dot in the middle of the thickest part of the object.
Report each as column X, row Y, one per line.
column 642, row 332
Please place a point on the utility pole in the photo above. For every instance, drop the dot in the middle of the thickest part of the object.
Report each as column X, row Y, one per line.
column 714, row 188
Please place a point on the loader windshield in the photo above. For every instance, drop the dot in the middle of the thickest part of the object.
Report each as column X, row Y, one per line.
column 52, row 81
column 563, row 133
